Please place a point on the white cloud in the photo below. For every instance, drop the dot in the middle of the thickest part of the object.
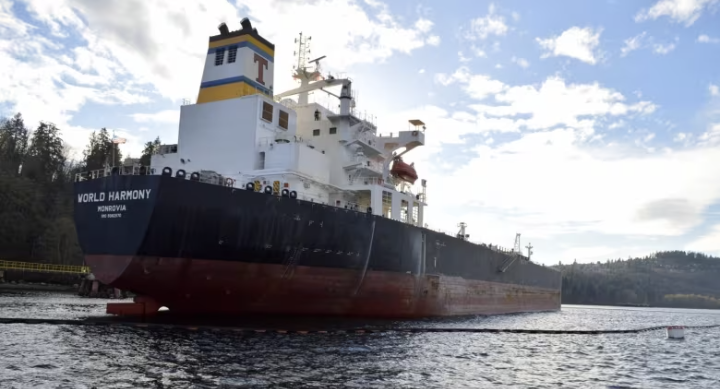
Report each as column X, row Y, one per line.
column 567, row 186
column 634, row 43
column 555, row 103
column 433, row 40
column 714, row 90
column 483, row 27
column 660, row 48
column 575, row 42
column 522, row 62
column 462, row 58
column 706, row 39
column 711, row 137
column 478, row 86
column 167, row 116
column 679, row 11
column 569, row 180
column 642, row 40
column 421, row 71
column 51, row 82
column 680, row 136
column 478, row 52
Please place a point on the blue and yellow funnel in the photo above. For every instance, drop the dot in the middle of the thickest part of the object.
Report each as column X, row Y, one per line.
column 239, row 63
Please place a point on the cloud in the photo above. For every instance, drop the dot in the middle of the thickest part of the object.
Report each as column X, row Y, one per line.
column 576, row 42
column 706, row 39
column 634, row 43
column 555, row 182
column 679, row 11
column 483, row 27
column 549, row 104
column 477, row 86
column 642, row 40
column 714, row 90
column 556, row 103
column 52, row 80
column 167, row 116
column 563, row 178
column 663, row 48
column 522, row 62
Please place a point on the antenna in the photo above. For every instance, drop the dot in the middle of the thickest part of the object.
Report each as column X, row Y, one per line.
column 530, row 252
column 303, row 51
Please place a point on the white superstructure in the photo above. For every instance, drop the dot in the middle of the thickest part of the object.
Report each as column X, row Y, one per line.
column 239, row 130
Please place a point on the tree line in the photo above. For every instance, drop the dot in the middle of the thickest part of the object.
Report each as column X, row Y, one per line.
column 36, row 176
column 679, row 279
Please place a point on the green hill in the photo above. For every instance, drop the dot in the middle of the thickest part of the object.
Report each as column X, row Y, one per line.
column 670, row 279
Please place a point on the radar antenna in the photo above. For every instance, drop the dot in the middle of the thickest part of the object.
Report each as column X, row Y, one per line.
column 461, row 234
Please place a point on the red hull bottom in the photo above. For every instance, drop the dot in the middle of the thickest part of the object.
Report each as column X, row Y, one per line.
column 192, row 286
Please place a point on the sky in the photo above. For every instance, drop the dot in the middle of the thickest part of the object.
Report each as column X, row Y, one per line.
column 590, row 128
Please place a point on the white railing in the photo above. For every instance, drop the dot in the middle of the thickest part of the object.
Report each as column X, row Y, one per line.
column 365, row 137
column 366, row 117
column 132, row 170
column 268, row 141
column 363, row 181
column 366, row 163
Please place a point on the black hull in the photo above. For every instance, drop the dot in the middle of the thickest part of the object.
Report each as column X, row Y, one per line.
column 167, row 217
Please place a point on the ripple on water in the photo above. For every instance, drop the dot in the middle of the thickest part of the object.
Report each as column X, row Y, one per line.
column 42, row 356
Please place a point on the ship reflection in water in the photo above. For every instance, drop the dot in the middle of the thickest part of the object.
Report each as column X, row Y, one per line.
column 40, row 356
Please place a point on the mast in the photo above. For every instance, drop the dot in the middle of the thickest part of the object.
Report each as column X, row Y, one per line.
column 529, row 247
column 300, row 72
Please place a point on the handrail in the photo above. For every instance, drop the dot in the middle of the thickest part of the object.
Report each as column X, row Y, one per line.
column 43, row 267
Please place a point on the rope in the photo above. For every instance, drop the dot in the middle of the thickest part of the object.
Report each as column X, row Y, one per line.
column 91, row 322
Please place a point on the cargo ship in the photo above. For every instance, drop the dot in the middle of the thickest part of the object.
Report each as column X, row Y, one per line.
column 272, row 204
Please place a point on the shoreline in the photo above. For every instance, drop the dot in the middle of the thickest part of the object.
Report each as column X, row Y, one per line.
column 39, row 287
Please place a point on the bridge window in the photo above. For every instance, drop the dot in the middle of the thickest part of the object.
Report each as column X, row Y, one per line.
column 283, row 122
column 267, row 112
column 333, row 130
column 232, row 54
column 219, row 56
column 316, row 132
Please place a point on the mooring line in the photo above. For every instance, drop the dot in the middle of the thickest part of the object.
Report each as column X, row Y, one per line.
column 111, row 323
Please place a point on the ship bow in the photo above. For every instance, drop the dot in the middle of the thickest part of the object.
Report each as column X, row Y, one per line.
column 112, row 215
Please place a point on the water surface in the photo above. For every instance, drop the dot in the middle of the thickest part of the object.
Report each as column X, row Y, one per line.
column 57, row 356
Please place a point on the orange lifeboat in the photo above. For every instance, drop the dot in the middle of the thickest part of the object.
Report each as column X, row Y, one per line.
column 403, row 171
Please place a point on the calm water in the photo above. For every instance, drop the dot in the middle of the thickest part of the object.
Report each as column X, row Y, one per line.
column 48, row 356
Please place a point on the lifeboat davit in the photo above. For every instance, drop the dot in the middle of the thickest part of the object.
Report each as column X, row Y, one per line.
column 403, row 171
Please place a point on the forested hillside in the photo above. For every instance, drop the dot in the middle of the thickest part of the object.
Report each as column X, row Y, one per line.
column 672, row 278
column 36, row 175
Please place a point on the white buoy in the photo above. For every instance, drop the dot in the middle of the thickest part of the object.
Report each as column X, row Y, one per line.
column 676, row 332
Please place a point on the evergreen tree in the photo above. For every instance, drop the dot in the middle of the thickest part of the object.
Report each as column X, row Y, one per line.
column 150, row 149
column 13, row 144
column 101, row 152
column 45, row 158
